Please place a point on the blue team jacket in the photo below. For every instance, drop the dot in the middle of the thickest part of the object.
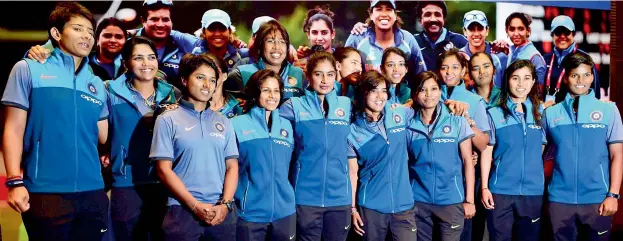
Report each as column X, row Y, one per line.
column 383, row 164
column 264, row 193
column 321, row 176
column 61, row 136
column 435, row 164
column 293, row 78
column 131, row 133
column 429, row 49
column 529, row 52
column 556, row 69
column 169, row 64
column 517, row 152
column 582, row 163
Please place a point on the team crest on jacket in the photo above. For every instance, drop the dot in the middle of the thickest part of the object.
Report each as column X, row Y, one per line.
column 596, row 115
column 397, row 118
column 446, row 129
column 230, row 115
column 92, row 88
column 219, row 126
column 340, row 112
column 284, row 133
column 230, row 62
column 292, row 81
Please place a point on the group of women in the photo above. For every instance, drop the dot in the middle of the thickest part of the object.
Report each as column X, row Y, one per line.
column 272, row 151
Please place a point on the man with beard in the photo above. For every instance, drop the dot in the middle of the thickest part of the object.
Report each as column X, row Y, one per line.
column 432, row 16
column 383, row 31
column 105, row 61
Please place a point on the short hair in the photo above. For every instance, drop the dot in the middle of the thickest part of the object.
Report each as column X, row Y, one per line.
column 191, row 62
column 128, row 47
column 342, row 53
column 315, row 59
column 576, row 59
column 525, row 19
column 144, row 11
column 319, row 13
column 110, row 22
column 253, row 87
column 452, row 52
column 368, row 81
column 62, row 13
column 421, row 5
column 257, row 49
column 396, row 25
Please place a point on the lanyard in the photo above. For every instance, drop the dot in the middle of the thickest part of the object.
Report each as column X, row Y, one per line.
column 549, row 74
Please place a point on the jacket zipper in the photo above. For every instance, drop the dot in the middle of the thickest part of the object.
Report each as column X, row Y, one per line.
column 272, row 163
column 76, row 130
column 389, row 177
column 37, row 159
column 326, row 148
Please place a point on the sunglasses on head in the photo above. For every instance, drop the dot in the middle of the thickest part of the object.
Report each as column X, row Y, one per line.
column 561, row 31
column 165, row 2
column 475, row 16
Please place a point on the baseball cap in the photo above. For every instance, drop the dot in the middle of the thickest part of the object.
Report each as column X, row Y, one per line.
column 257, row 22
column 375, row 2
column 475, row 16
column 150, row 2
column 563, row 21
column 215, row 16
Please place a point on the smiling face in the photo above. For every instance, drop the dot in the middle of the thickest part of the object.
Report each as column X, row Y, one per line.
column 518, row 32
column 320, row 34
column 158, row 24
column 269, row 94
column 275, row 48
column 76, row 37
column 520, row 84
column 201, row 83
column 451, row 71
column 383, row 16
column 580, row 79
column 111, row 40
column 323, row 77
column 430, row 93
column 143, row 63
column 476, row 34
column 563, row 38
column 216, row 35
column 349, row 65
column 376, row 98
column 395, row 68
column 432, row 19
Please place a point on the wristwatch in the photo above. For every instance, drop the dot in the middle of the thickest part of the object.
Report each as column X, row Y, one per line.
column 228, row 203
column 613, row 195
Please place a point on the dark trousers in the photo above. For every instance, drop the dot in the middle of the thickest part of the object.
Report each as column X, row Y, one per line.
column 67, row 216
column 181, row 225
column 515, row 218
column 137, row 212
column 318, row 223
column 282, row 229
column 399, row 226
column 435, row 222
column 572, row 222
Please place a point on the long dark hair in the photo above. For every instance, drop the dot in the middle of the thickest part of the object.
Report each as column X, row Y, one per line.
column 533, row 96
column 319, row 13
column 253, row 87
column 418, row 82
column 470, row 65
column 399, row 52
column 368, row 81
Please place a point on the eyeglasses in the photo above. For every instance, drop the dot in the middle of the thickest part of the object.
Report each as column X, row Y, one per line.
column 165, row 2
column 561, row 31
column 476, row 16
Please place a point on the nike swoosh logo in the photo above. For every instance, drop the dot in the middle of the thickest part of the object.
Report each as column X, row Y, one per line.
column 558, row 119
column 422, row 48
column 292, row 237
column 413, row 229
column 247, row 132
column 534, row 220
column 103, row 230
column 189, row 128
column 601, row 233
column 346, row 228
column 304, row 113
column 455, row 226
column 47, row 76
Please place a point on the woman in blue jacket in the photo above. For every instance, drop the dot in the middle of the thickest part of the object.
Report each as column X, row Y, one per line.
column 265, row 197
column 512, row 164
column 378, row 151
column 394, row 66
column 322, row 185
column 137, row 200
column 440, row 155
column 518, row 30
column 482, row 71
